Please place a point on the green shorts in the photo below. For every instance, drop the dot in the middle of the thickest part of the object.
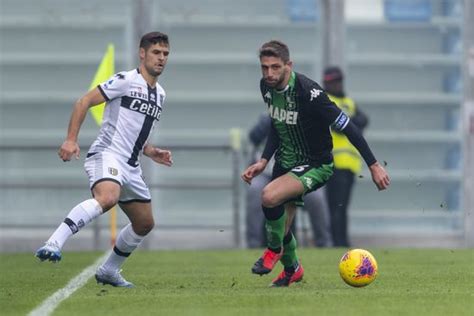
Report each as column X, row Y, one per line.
column 312, row 177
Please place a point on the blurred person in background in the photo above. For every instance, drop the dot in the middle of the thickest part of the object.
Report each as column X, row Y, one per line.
column 134, row 101
column 300, row 138
column 347, row 160
column 314, row 203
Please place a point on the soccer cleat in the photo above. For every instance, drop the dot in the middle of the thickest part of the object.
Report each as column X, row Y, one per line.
column 113, row 278
column 266, row 262
column 50, row 251
column 286, row 278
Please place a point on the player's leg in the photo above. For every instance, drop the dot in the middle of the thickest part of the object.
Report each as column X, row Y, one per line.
column 293, row 271
column 135, row 201
column 105, row 178
column 290, row 209
column 310, row 178
column 129, row 238
column 281, row 189
column 274, row 195
column 106, row 194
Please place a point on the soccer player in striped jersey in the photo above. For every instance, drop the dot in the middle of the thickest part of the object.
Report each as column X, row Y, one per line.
column 300, row 138
column 134, row 101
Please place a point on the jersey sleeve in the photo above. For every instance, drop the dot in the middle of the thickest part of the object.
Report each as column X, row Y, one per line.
column 265, row 92
column 162, row 95
column 272, row 144
column 116, row 86
column 355, row 137
column 323, row 107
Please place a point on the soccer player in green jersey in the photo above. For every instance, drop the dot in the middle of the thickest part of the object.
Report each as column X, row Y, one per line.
column 300, row 138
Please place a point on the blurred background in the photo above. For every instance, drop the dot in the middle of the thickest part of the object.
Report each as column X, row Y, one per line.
column 405, row 63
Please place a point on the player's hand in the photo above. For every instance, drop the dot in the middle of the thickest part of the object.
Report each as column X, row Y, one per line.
column 69, row 149
column 379, row 176
column 254, row 170
column 160, row 156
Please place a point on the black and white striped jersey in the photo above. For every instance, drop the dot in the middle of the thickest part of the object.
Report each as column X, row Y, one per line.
column 131, row 111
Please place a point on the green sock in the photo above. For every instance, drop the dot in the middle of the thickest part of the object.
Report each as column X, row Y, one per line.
column 275, row 231
column 289, row 257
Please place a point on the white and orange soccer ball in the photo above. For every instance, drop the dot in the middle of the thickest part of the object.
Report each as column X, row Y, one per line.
column 358, row 267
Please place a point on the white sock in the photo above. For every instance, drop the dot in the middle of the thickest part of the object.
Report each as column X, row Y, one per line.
column 127, row 241
column 81, row 215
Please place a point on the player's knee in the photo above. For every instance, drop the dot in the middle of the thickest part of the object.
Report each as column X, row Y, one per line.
column 107, row 201
column 269, row 198
column 145, row 227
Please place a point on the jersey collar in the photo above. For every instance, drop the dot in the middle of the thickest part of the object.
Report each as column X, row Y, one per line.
column 291, row 83
column 150, row 87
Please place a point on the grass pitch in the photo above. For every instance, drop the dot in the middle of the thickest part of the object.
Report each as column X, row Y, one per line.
column 410, row 282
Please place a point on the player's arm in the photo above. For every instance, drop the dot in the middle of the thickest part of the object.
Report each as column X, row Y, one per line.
column 272, row 136
column 115, row 87
column 271, row 144
column 70, row 148
column 353, row 133
column 270, row 148
column 158, row 155
column 340, row 122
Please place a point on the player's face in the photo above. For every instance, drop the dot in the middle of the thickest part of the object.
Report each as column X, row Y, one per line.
column 155, row 58
column 275, row 72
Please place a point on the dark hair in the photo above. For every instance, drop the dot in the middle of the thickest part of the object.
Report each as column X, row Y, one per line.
column 333, row 73
column 153, row 38
column 275, row 48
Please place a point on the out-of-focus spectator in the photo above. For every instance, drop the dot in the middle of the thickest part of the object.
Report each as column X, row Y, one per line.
column 347, row 161
column 314, row 203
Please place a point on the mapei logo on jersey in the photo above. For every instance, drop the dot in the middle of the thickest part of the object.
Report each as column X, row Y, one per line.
column 282, row 115
column 315, row 93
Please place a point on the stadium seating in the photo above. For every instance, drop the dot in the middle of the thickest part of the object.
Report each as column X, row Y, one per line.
column 400, row 73
column 407, row 68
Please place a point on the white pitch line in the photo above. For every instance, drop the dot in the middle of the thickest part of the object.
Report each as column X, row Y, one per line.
column 48, row 305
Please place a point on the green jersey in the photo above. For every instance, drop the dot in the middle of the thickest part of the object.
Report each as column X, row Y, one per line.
column 302, row 115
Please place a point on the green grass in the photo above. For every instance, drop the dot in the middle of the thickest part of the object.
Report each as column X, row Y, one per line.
column 410, row 282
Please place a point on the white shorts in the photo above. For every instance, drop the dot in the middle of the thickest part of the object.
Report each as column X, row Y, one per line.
column 104, row 166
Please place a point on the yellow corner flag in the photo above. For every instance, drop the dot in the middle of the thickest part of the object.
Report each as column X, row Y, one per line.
column 104, row 72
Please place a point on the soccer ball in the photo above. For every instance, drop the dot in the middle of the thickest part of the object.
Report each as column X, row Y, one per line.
column 358, row 267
